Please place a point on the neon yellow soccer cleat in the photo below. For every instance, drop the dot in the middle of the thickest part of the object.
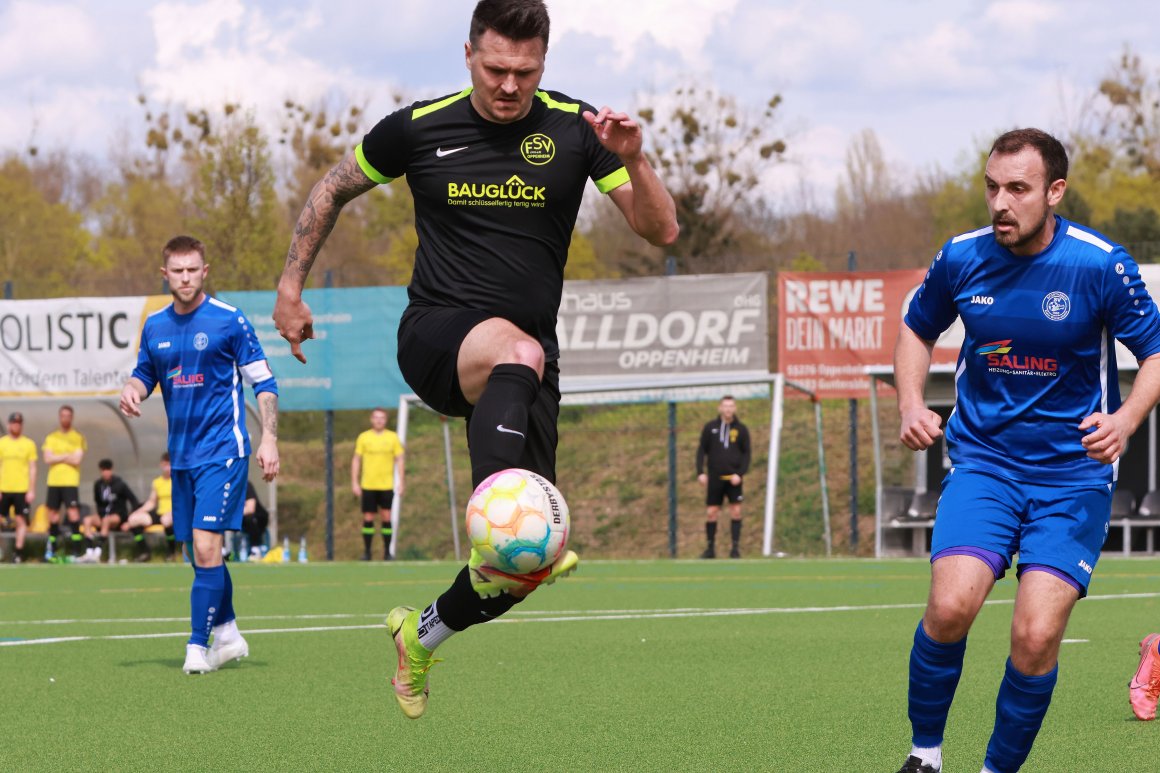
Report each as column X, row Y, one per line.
column 415, row 661
column 490, row 582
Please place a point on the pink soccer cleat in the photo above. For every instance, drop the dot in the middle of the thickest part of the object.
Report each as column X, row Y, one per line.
column 1144, row 689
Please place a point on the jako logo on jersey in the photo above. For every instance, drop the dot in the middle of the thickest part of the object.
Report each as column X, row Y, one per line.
column 163, row 345
column 999, row 361
column 1085, row 566
column 514, row 192
column 985, row 300
column 200, row 341
column 538, row 149
column 1056, row 306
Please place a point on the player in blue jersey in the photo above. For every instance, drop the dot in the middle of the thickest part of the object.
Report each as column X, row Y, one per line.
column 200, row 351
column 497, row 172
column 1034, row 438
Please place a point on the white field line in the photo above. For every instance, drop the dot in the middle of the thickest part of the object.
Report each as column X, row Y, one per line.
column 557, row 617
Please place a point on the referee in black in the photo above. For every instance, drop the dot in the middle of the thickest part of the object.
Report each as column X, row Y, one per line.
column 725, row 445
column 497, row 172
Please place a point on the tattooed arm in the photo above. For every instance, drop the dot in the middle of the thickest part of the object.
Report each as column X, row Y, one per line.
column 344, row 182
column 268, row 448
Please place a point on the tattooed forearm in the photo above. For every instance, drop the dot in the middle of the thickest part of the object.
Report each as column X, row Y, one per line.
column 341, row 184
column 268, row 408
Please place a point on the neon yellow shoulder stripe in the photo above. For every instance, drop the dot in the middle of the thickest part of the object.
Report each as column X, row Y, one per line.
column 612, row 181
column 369, row 170
column 567, row 107
column 431, row 108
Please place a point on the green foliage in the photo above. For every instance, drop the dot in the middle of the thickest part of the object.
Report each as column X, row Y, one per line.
column 44, row 250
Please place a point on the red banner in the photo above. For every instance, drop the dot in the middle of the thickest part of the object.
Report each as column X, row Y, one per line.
column 832, row 326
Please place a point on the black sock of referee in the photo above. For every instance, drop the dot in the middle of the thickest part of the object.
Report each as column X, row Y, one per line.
column 735, row 531
column 497, row 429
column 711, row 532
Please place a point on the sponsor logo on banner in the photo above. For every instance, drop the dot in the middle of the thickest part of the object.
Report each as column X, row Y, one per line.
column 70, row 346
column 677, row 325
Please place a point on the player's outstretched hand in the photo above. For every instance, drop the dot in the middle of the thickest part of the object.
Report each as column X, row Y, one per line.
column 617, row 132
column 130, row 401
column 1108, row 440
column 268, row 459
column 920, row 428
column 294, row 321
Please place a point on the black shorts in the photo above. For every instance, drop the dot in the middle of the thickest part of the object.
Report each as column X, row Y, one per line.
column 15, row 504
column 374, row 500
column 429, row 341
column 720, row 489
column 62, row 496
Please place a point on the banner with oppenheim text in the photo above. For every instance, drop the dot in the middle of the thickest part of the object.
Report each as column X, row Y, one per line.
column 833, row 326
column 634, row 330
column 71, row 347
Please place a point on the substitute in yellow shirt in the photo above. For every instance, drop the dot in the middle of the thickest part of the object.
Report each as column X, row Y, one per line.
column 372, row 478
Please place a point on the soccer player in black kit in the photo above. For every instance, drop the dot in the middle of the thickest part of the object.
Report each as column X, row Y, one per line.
column 725, row 445
column 497, row 171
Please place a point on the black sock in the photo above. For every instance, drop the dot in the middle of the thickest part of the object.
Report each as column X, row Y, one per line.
column 735, row 530
column 461, row 607
column 53, row 533
column 498, row 427
column 386, row 532
column 170, row 540
column 368, row 532
column 139, row 539
column 711, row 532
column 77, row 540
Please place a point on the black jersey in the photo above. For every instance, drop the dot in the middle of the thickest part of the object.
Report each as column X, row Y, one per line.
column 495, row 204
column 725, row 446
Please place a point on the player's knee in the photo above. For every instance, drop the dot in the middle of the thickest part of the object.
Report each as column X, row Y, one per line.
column 1034, row 643
column 948, row 617
column 525, row 351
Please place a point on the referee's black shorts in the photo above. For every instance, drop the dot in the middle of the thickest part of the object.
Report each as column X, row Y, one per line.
column 429, row 341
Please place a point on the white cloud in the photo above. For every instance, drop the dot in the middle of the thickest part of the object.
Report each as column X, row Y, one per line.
column 1020, row 15
column 39, row 38
column 682, row 26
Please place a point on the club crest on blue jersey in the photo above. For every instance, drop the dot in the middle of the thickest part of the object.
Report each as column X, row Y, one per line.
column 1056, row 306
column 200, row 341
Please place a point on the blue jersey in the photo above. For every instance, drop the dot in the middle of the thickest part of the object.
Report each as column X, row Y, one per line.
column 201, row 360
column 1039, row 353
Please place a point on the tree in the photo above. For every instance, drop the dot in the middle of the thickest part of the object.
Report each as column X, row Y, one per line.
column 1130, row 120
column 710, row 152
column 44, row 250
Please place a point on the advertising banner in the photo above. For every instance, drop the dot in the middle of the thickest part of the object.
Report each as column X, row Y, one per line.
column 832, row 326
column 69, row 347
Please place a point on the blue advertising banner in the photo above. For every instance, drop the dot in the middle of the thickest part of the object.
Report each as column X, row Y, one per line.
column 352, row 362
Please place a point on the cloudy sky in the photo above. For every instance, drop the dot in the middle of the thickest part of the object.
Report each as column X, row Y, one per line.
column 932, row 79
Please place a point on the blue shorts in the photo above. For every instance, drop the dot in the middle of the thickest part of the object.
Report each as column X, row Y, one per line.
column 1057, row 527
column 210, row 497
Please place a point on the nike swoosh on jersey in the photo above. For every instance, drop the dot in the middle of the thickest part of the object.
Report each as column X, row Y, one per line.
column 440, row 152
column 502, row 428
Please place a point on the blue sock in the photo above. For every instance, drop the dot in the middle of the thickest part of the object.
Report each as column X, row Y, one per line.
column 934, row 674
column 204, row 600
column 225, row 610
column 1019, row 711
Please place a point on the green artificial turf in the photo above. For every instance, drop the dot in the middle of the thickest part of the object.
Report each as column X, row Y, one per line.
column 792, row 665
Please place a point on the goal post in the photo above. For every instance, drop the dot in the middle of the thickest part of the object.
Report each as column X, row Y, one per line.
column 659, row 389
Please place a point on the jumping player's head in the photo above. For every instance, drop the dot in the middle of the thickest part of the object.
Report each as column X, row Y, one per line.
column 65, row 416
column 106, row 468
column 166, row 470
column 727, row 408
column 505, row 54
column 1026, row 177
column 379, row 419
column 184, row 267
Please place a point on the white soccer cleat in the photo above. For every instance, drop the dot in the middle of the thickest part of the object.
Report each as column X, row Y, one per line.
column 224, row 652
column 198, row 660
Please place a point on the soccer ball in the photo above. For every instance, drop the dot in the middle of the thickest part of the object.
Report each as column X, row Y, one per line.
column 518, row 521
